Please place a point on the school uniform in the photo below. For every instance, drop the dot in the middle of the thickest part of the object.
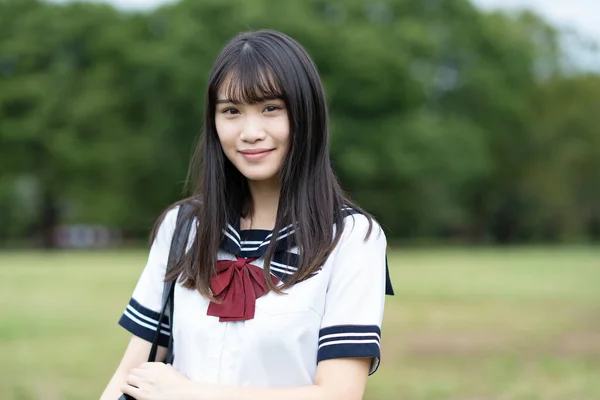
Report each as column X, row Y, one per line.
column 273, row 340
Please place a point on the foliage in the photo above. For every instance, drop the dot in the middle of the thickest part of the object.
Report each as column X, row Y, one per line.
column 446, row 121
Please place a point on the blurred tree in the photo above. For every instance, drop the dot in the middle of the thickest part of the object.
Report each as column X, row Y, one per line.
column 446, row 121
column 564, row 172
column 63, row 111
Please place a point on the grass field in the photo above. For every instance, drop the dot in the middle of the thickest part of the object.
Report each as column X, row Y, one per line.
column 485, row 324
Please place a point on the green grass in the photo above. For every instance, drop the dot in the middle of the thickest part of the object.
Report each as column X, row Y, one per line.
column 485, row 324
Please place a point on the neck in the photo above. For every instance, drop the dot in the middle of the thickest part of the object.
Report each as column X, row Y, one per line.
column 265, row 200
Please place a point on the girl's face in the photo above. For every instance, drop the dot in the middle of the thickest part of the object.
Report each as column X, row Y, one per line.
column 254, row 137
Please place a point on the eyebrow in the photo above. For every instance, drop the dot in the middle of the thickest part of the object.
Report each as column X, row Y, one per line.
column 260, row 100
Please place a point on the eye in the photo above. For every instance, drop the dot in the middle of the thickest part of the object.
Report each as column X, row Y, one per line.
column 272, row 108
column 230, row 111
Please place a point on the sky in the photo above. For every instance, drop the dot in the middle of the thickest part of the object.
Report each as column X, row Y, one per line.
column 582, row 16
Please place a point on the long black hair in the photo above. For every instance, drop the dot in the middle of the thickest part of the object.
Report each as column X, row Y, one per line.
column 251, row 67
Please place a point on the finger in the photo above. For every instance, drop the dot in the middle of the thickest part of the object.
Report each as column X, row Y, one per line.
column 139, row 372
column 134, row 380
column 132, row 391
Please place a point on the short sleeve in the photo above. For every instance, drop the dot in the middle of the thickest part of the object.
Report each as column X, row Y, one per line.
column 143, row 311
column 351, row 325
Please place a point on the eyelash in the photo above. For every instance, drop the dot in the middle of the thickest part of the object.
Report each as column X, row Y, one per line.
column 275, row 108
column 227, row 110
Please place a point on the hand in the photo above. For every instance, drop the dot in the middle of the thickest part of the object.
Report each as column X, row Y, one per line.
column 156, row 381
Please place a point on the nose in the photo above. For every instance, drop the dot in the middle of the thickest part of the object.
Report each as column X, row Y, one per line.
column 252, row 129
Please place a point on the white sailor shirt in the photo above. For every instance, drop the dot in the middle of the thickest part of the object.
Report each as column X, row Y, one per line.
column 335, row 313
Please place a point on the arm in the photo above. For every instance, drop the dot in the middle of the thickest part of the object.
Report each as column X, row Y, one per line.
column 136, row 354
column 140, row 316
column 336, row 379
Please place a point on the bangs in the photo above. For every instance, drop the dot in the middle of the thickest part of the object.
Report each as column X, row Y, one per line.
column 248, row 82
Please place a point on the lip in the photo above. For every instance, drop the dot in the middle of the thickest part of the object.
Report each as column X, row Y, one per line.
column 254, row 154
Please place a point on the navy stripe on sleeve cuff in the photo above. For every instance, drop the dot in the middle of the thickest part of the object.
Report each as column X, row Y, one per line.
column 348, row 341
column 142, row 322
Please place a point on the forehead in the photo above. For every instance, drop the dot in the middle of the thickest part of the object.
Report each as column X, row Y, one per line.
column 248, row 87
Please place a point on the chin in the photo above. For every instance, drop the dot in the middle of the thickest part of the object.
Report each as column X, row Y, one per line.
column 257, row 176
column 260, row 178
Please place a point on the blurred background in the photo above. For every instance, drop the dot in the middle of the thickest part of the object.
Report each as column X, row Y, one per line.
column 470, row 129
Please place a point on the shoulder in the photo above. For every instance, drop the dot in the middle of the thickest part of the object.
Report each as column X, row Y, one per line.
column 361, row 227
column 361, row 250
column 167, row 222
column 164, row 227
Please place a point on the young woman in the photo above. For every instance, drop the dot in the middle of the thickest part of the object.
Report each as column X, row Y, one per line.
column 303, row 270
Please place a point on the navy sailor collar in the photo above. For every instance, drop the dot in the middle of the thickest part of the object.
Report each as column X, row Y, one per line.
column 253, row 243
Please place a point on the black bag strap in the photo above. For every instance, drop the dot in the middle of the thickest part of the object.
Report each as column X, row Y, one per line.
column 176, row 252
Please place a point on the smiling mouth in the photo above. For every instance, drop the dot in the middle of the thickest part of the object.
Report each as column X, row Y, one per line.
column 255, row 151
column 255, row 154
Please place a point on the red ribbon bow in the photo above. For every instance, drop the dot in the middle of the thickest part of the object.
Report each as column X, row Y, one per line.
column 237, row 285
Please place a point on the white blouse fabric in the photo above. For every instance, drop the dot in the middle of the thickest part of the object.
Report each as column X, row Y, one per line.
column 336, row 313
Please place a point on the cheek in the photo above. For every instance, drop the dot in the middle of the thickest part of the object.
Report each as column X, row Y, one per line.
column 282, row 131
column 226, row 133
